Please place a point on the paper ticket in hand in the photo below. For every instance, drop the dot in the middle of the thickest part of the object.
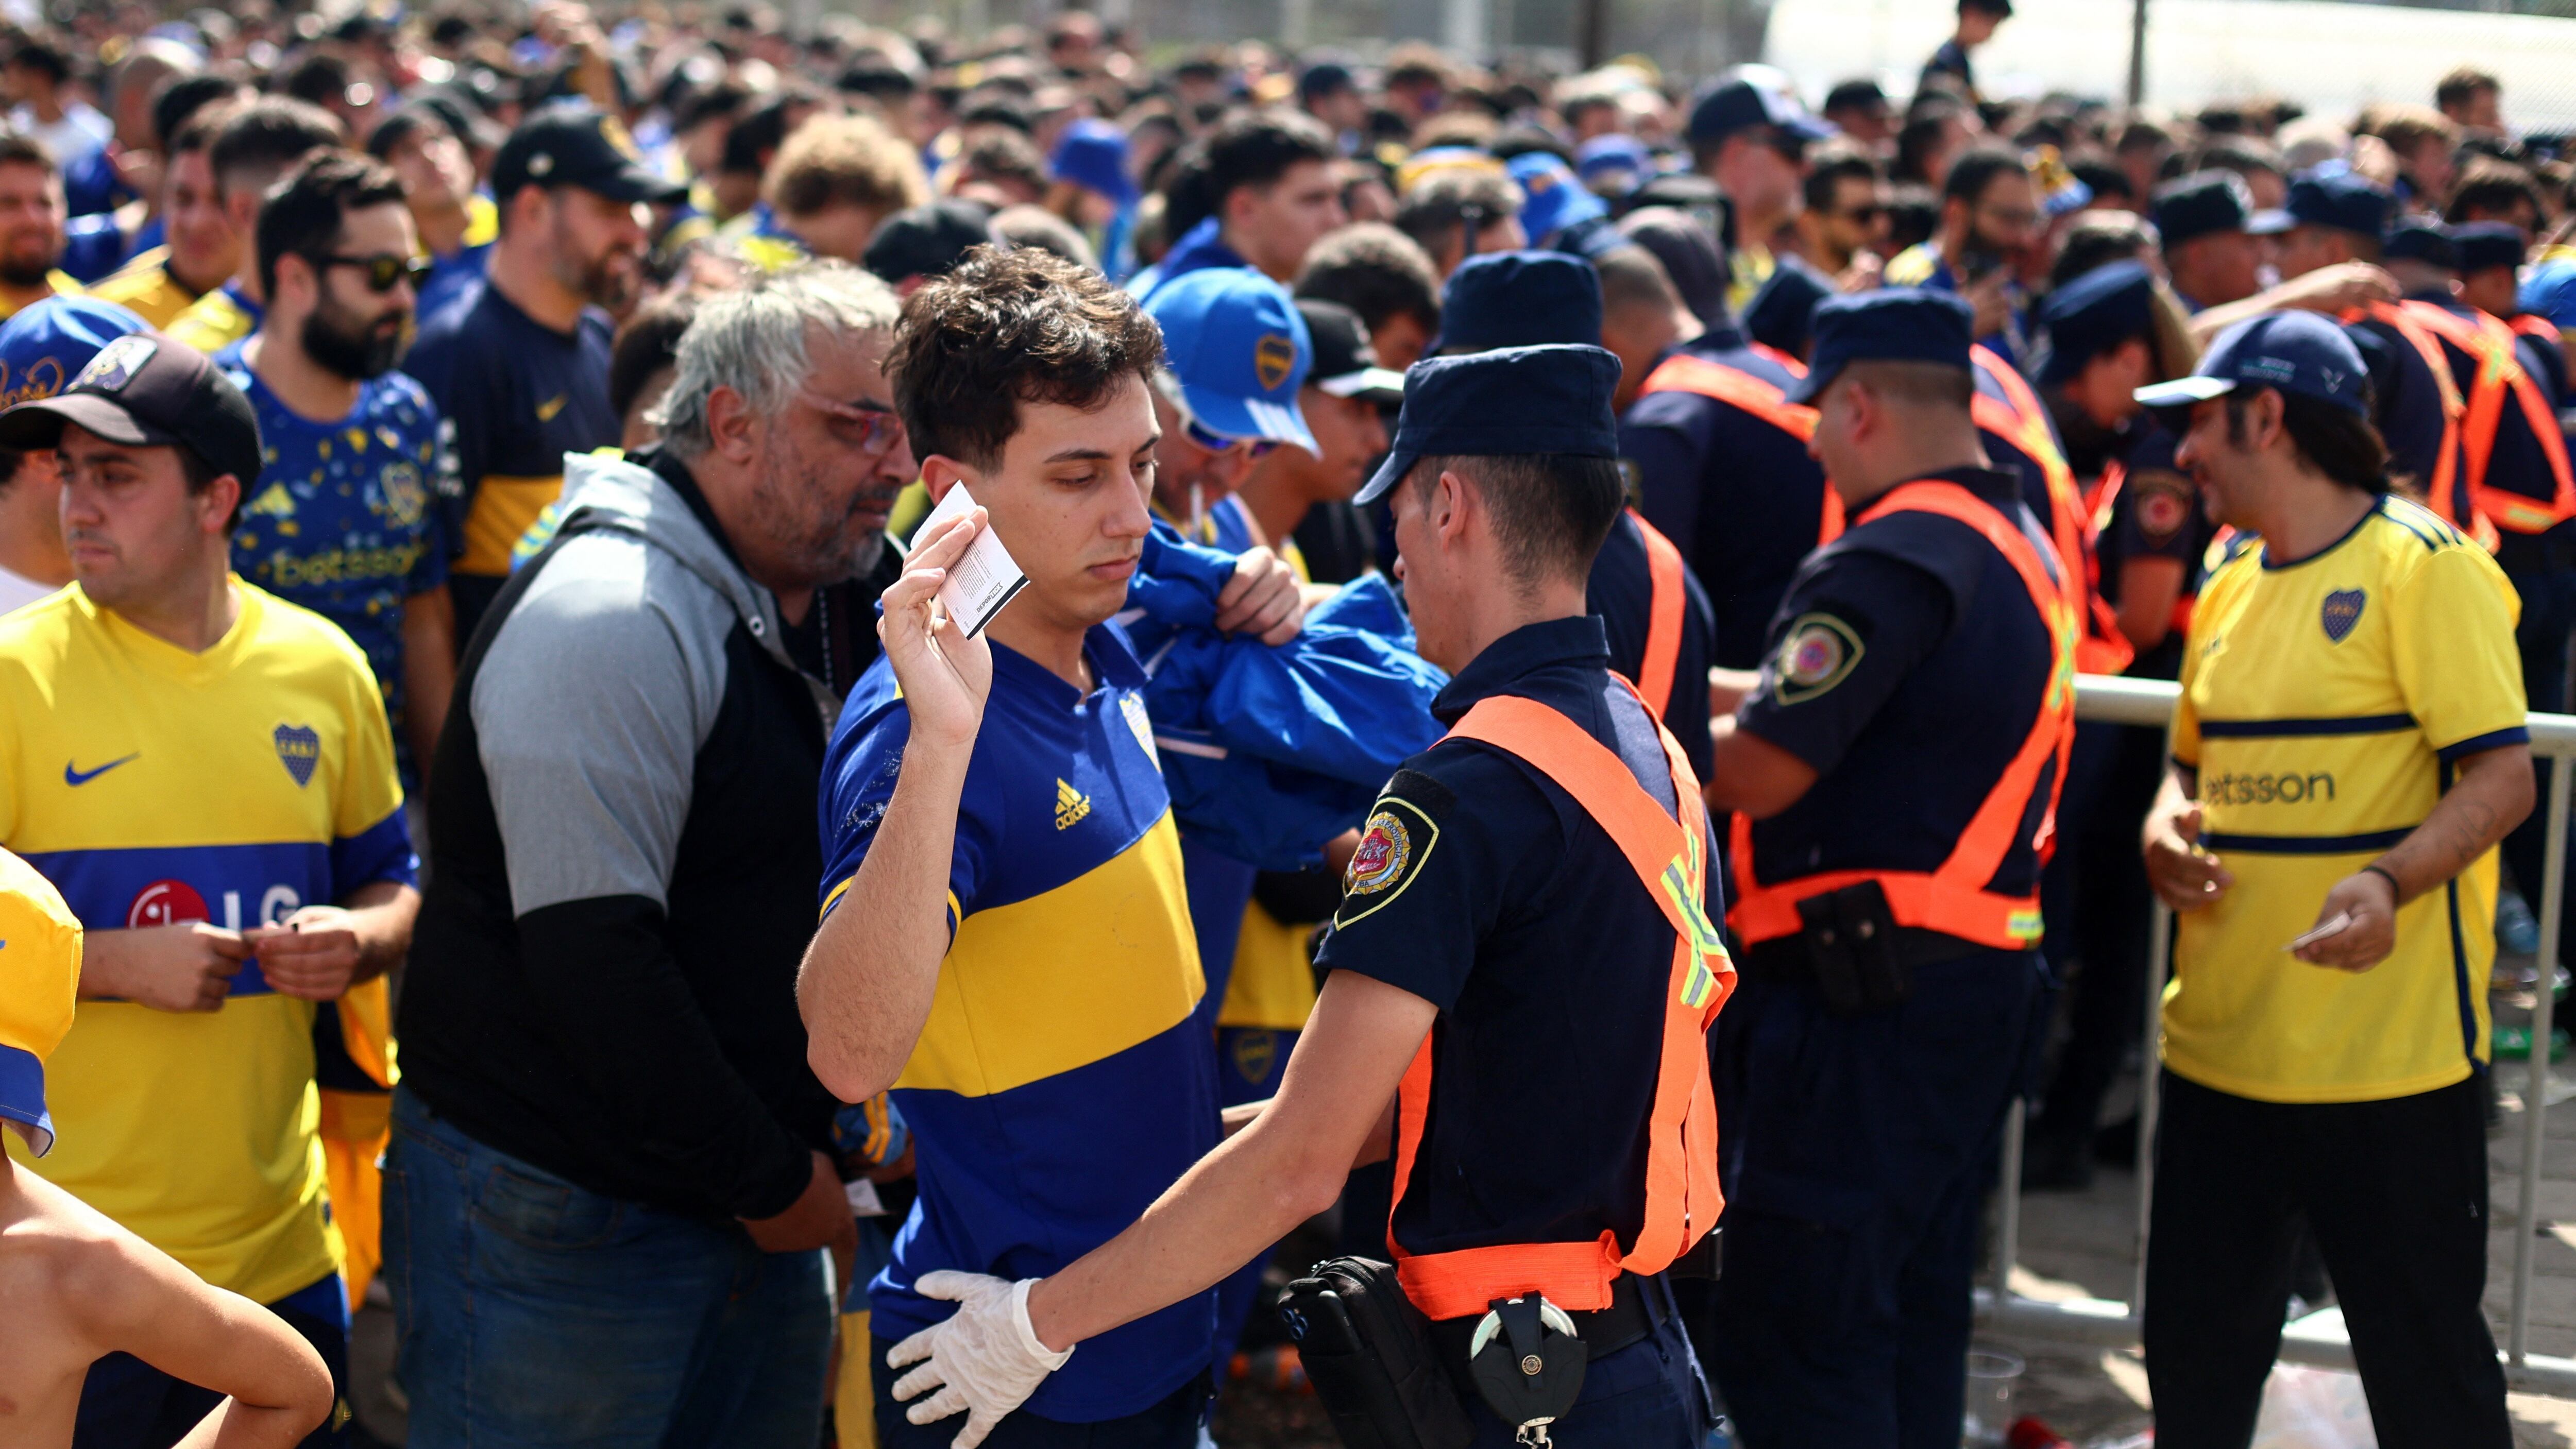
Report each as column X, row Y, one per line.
column 979, row 584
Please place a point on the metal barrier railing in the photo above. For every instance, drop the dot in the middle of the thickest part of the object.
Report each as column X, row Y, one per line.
column 2110, row 1324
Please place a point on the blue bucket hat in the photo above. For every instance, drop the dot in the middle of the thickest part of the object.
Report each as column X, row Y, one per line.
column 1093, row 154
column 1892, row 324
column 2294, row 352
column 1552, row 199
column 1520, row 299
column 1509, row 403
column 1233, row 339
column 45, row 346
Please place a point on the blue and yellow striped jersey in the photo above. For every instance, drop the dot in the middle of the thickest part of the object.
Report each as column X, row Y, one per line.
column 154, row 786
column 2323, row 704
column 1061, row 1083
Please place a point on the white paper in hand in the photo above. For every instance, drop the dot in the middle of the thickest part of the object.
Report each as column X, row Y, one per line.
column 979, row 584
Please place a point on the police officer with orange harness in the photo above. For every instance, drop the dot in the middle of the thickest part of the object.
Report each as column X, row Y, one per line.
column 1523, row 972
column 1895, row 776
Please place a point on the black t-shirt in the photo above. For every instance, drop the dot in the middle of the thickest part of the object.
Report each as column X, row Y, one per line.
column 1907, row 668
column 1737, row 495
column 1491, row 894
column 1621, row 593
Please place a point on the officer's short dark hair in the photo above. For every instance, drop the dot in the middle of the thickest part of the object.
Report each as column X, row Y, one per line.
column 1829, row 166
column 304, row 216
column 261, row 140
column 1976, row 169
column 1551, row 510
column 1256, row 148
column 1005, row 328
column 1924, row 384
column 1376, row 271
column 2332, row 440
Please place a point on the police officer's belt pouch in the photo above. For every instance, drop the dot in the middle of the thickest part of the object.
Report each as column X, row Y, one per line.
column 1851, row 946
column 1368, row 1352
column 1528, row 1363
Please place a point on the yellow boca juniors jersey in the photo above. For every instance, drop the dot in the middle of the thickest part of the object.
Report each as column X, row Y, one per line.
column 153, row 786
column 2324, row 704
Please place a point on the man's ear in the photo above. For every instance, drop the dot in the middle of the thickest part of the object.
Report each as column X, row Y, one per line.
column 216, row 504
column 940, row 473
column 1448, row 505
column 729, row 422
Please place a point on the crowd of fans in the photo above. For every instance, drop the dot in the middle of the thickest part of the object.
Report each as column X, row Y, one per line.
column 446, row 258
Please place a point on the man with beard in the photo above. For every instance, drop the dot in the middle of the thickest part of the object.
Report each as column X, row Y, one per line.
column 1990, row 216
column 340, row 519
column 31, row 225
column 610, row 1172
column 520, row 364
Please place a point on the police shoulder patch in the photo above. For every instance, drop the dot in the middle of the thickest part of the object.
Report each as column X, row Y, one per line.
column 1402, row 830
column 2164, row 506
column 1819, row 652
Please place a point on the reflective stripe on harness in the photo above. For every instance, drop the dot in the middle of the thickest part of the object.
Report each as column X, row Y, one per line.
column 2018, row 419
column 1683, row 372
column 2441, row 491
column 1665, row 605
column 1670, row 858
column 2501, row 373
column 1953, row 899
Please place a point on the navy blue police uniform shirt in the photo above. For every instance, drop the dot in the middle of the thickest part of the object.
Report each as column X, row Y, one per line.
column 1484, row 889
column 2406, row 400
column 1906, row 667
column 519, row 396
column 1621, row 593
column 1739, row 497
column 2157, row 514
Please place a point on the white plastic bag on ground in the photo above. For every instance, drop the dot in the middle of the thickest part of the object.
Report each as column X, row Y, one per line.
column 2313, row 1408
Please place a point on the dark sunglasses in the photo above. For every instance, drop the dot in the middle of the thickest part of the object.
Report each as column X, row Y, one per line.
column 384, row 270
column 1863, row 215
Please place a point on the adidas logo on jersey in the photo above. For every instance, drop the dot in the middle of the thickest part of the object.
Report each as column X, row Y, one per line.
column 1070, row 806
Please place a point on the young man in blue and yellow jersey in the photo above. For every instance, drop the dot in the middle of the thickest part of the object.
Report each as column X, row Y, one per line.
column 201, row 249
column 343, row 517
column 519, row 364
column 205, row 773
column 2349, row 747
column 1006, row 939
column 457, row 224
column 253, row 149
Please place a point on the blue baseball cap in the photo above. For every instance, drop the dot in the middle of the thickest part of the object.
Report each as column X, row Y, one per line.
column 2093, row 314
column 2302, row 352
column 2549, row 290
column 1513, row 402
column 2344, row 200
column 1892, row 324
column 2428, row 242
column 1739, row 104
column 1552, row 199
column 2485, row 245
column 1617, row 163
column 43, row 347
column 1093, row 153
column 1233, row 339
column 1520, row 299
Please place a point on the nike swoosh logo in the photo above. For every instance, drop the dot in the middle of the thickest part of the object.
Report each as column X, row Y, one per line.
column 546, row 410
column 76, row 777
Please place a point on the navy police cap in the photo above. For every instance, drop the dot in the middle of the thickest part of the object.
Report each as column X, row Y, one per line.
column 2293, row 352
column 2207, row 202
column 2093, row 314
column 2484, row 245
column 1782, row 313
column 2428, row 242
column 1511, row 403
column 1520, row 299
column 1892, row 324
column 2342, row 200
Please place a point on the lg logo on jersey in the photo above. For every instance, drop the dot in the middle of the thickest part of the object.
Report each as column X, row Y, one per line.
column 171, row 902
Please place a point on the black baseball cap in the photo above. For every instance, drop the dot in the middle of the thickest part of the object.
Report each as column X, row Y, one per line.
column 1514, row 402
column 1738, row 104
column 146, row 391
column 572, row 143
column 1345, row 364
column 926, row 241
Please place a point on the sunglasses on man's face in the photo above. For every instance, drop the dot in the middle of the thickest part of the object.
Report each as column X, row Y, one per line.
column 385, row 271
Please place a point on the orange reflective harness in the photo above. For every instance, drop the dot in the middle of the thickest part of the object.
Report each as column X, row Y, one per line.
column 2018, row 419
column 2500, row 373
column 1953, row 899
column 1670, row 858
column 1668, row 600
column 2441, row 492
column 1683, row 372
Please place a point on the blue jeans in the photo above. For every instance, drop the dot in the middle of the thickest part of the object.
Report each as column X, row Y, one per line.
column 530, row 1311
column 128, row 1404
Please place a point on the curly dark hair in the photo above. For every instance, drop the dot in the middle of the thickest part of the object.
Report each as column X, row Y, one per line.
column 1005, row 328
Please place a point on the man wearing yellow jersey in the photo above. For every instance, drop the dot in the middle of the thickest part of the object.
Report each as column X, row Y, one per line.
column 203, row 250
column 2348, row 749
column 206, row 775
column 252, row 150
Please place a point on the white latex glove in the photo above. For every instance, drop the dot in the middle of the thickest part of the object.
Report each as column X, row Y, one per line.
column 985, row 1360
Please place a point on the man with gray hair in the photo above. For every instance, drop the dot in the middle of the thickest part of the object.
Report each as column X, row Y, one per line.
column 608, row 1189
